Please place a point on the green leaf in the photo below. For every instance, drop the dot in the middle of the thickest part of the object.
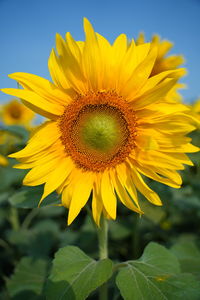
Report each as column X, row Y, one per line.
column 119, row 230
column 21, row 238
column 37, row 241
column 4, row 196
column 10, row 177
column 156, row 276
column 188, row 255
column 28, row 197
column 29, row 276
column 51, row 210
column 18, row 131
column 75, row 275
column 68, row 237
column 153, row 213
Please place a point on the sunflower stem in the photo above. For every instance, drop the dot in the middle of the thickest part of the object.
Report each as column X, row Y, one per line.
column 27, row 221
column 14, row 219
column 135, row 238
column 103, row 253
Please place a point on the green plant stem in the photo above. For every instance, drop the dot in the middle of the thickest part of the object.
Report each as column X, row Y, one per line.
column 135, row 238
column 27, row 221
column 14, row 219
column 118, row 266
column 103, row 253
column 5, row 245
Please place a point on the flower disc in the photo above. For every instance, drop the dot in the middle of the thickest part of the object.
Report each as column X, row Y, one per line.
column 98, row 131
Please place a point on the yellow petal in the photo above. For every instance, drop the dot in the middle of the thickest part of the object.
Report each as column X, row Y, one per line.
column 73, row 47
column 32, row 161
column 139, row 76
column 124, row 175
column 107, row 81
column 40, row 174
column 108, row 195
column 153, row 95
column 155, row 113
column 44, row 136
column 91, row 58
column 56, row 71
column 144, row 189
column 57, row 177
column 146, row 142
column 150, row 158
column 43, row 88
column 119, row 49
column 97, row 205
column 154, row 80
column 123, row 195
column 164, row 46
column 174, row 126
column 141, row 39
column 3, row 161
column 127, row 64
column 82, row 190
column 172, row 179
column 189, row 148
column 71, row 68
column 37, row 103
column 67, row 196
column 142, row 51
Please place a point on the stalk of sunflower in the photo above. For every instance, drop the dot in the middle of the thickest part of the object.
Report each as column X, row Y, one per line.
column 110, row 122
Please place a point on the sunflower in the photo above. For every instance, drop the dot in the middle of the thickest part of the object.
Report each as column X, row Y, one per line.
column 164, row 63
column 196, row 107
column 3, row 161
column 109, row 124
column 195, row 110
column 15, row 113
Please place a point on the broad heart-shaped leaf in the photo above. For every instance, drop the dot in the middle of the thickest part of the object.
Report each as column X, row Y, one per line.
column 156, row 276
column 29, row 277
column 10, row 177
column 75, row 275
column 188, row 255
column 28, row 197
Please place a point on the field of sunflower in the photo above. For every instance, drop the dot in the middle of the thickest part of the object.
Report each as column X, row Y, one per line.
column 102, row 199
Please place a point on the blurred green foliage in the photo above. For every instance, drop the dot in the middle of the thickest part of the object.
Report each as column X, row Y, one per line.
column 30, row 237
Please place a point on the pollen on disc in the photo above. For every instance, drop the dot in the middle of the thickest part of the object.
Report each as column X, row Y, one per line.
column 99, row 132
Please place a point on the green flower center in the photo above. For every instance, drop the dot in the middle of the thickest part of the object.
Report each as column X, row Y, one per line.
column 100, row 131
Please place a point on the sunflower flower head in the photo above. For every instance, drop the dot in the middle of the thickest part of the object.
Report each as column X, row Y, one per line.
column 196, row 107
column 195, row 110
column 165, row 62
column 110, row 124
column 15, row 113
column 3, row 161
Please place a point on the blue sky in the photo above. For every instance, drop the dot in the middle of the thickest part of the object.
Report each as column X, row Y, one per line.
column 28, row 31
